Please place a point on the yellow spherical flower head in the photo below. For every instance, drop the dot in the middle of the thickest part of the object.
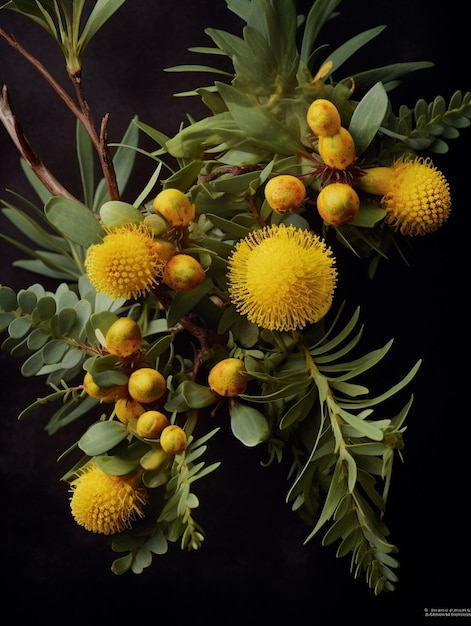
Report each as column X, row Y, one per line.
column 282, row 277
column 418, row 201
column 106, row 504
column 126, row 264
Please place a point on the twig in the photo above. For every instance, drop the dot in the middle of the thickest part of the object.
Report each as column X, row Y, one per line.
column 13, row 128
column 82, row 114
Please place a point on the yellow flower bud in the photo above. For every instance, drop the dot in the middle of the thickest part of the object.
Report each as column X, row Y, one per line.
column 337, row 151
column 285, row 193
column 146, row 385
column 323, row 118
column 228, row 377
column 377, row 180
column 183, row 272
column 174, row 206
column 151, row 423
column 338, row 203
column 173, row 439
column 124, row 337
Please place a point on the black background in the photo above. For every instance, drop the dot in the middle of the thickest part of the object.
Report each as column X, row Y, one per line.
column 253, row 566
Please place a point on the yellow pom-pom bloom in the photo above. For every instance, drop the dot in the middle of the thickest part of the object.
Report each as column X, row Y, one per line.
column 282, row 277
column 106, row 504
column 126, row 264
column 418, row 201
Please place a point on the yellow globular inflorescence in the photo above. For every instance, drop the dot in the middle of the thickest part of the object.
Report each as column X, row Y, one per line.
column 415, row 195
column 282, row 277
column 126, row 264
column 418, row 202
column 106, row 504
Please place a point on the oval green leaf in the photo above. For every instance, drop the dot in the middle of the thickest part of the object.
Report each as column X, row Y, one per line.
column 248, row 425
column 102, row 437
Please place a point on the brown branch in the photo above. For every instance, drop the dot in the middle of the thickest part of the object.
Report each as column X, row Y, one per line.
column 23, row 146
column 82, row 114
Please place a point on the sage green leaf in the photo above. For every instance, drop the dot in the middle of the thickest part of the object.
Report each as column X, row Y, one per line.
column 45, row 308
column 27, row 300
column 66, row 319
column 102, row 437
column 320, row 12
column 40, row 402
column 122, row 565
column 368, row 116
column 389, row 73
column 41, row 190
column 85, row 158
column 69, row 412
column 157, row 543
column 19, row 327
column 54, row 350
column 339, row 56
column 74, row 221
column 196, row 396
column 372, row 430
column 196, row 68
column 5, row 320
column 8, row 300
column 101, row 13
column 114, row 465
column 185, row 301
column 259, row 124
column 32, row 365
column 34, row 11
column 115, row 213
column 300, row 409
column 248, row 425
column 337, row 490
column 29, row 227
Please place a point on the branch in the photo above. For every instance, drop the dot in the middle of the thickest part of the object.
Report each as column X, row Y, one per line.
column 23, row 146
column 83, row 115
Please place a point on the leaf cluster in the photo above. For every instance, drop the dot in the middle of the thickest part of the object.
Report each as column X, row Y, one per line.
column 63, row 21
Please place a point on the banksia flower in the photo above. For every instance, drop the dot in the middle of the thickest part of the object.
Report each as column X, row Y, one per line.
column 106, row 504
column 282, row 277
column 416, row 195
column 126, row 264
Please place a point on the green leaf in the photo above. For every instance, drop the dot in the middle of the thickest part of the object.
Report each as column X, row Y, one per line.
column 367, row 117
column 350, row 47
column 248, row 425
column 185, row 301
column 74, row 221
column 101, row 13
column 33, row 10
column 114, row 465
column 300, row 409
column 54, row 351
column 85, row 158
column 388, row 73
column 320, row 12
column 259, row 125
column 157, row 543
column 192, row 395
column 102, row 437
column 122, row 565
column 8, row 300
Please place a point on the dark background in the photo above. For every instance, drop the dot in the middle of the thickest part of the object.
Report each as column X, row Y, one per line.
column 253, row 566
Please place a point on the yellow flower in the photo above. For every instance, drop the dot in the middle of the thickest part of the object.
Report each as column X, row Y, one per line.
column 418, row 201
column 106, row 504
column 282, row 277
column 127, row 264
